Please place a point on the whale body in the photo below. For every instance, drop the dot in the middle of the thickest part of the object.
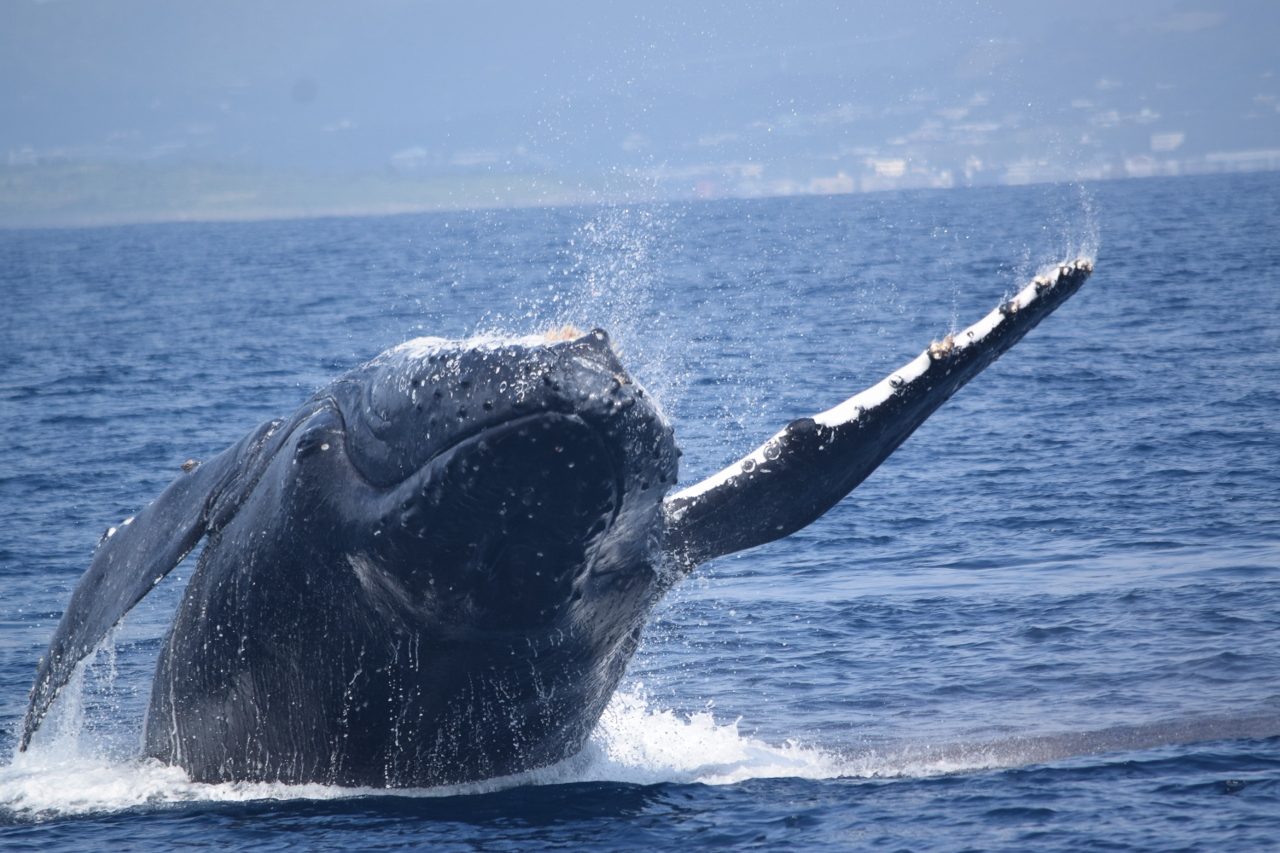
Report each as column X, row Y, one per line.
column 438, row 568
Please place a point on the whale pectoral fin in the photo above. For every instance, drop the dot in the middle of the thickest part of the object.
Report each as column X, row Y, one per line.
column 801, row 472
column 134, row 556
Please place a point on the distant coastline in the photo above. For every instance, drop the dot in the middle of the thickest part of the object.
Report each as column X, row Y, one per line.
column 72, row 194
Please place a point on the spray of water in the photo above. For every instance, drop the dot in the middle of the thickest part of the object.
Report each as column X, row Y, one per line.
column 65, row 774
column 611, row 268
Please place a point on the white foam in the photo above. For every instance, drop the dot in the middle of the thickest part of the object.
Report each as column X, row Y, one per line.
column 634, row 743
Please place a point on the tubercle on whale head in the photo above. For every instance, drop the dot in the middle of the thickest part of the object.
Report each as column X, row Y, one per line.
column 416, row 400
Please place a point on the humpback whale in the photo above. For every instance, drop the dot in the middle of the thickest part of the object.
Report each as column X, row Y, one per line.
column 437, row 569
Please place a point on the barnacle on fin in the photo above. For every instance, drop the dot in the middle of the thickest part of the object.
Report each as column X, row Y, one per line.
column 939, row 350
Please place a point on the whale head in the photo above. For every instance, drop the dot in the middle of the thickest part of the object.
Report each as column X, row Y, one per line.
column 515, row 484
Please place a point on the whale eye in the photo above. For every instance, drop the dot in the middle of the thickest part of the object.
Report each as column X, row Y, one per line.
column 314, row 440
column 321, row 435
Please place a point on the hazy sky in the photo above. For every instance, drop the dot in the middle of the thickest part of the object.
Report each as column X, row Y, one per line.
column 688, row 98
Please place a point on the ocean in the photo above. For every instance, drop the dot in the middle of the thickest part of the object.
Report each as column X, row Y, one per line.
column 1050, row 621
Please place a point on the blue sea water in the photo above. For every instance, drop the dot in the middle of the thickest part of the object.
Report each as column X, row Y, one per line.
column 1051, row 620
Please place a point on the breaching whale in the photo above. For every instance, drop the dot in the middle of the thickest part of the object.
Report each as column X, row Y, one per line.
column 438, row 568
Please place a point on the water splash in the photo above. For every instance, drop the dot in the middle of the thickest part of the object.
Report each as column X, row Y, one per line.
column 1086, row 240
column 634, row 743
column 66, row 774
column 609, row 271
column 1071, row 230
column 637, row 743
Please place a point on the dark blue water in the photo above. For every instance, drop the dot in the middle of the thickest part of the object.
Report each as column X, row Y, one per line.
column 1051, row 620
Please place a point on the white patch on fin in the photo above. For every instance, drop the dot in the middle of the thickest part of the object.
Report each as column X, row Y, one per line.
column 850, row 410
column 751, row 463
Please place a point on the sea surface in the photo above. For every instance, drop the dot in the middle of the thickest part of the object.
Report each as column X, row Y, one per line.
column 1050, row 621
